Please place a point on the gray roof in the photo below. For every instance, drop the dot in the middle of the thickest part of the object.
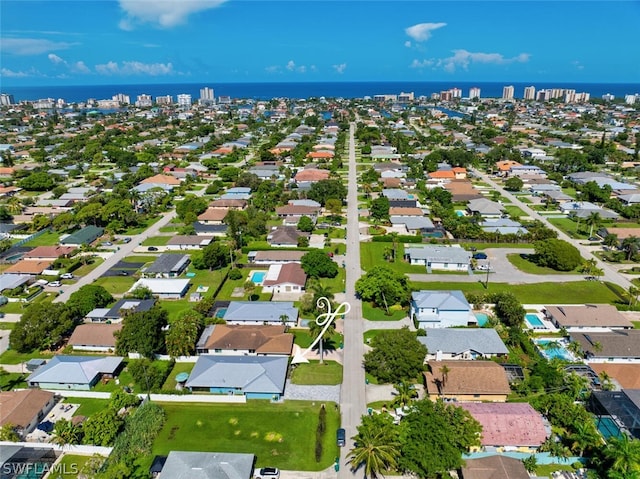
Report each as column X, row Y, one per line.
column 438, row 254
column 251, row 374
column 484, row 341
column 395, row 194
column 441, row 300
column 11, row 281
column 135, row 305
column 412, row 222
column 260, row 311
column 86, row 235
column 503, row 222
column 208, row 465
column 485, row 207
column 168, row 263
column 74, row 369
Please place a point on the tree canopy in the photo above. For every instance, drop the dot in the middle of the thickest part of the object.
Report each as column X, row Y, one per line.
column 317, row 264
column 397, row 356
column 323, row 190
column 184, row 333
column 383, row 286
column 557, row 254
column 42, row 326
column 142, row 333
column 87, row 298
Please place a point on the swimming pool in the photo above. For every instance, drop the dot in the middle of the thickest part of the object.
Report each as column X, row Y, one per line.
column 257, row 277
column 461, row 213
column 553, row 349
column 220, row 312
column 482, row 318
column 533, row 320
column 607, row 427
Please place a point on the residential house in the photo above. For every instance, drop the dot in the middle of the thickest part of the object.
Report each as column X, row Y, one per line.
column 94, row 337
column 440, row 309
column 284, row 278
column 213, row 216
column 207, row 465
column 229, row 204
column 311, row 175
column 85, row 236
column 466, row 381
column 462, row 191
column 414, row 224
column 463, row 344
column 438, row 257
column 119, row 310
column 583, row 209
column 74, row 372
column 519, row 170
column 164, row 288
column 203, row 230
column 261, row 312
column 25, row 409
column 588, row 317
column 162, row 181
column 503, row 226
column 493, row 467
column 186, row 242
column 291, row 214
column 255, row 377
column 623, row 405
column 485, row 208
column 514, row 425
column 13, row 281
column 49, row 252
column 237, row 193
column 275, row 257
column 609, row 346
column 305, row 202
column 258, row 340
column 285, row 237
column 167, row 265
column 29, row 267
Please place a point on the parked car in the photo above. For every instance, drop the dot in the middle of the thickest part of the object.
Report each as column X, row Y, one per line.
column 55, row 284
column 66, row 276
column 1, row 315
column 126, row 240
column 106, row 243
column 480, row 256
column 267, row 473
column 341, row 437
column 152, row 248
column 123, row 273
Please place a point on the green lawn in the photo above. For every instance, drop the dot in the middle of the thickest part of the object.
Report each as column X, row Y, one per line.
column 116, row 284
column 336, row 285
column 280, row 435
column 303, row 339
column 204, row 277
column 11, row 356
column 46, row 239
column 174, row 308
column 482, row 246
column 372, row 254
column 7, row 326
column 12, row 381
column 545, row 470
column 230, row 284
column 370, row 334
column 90, row 266
column 329, row 373
column 376, row 314
column 514, row 211
column 574, row 292
column 170, row 383
column 142, row 227
column 88, row 406
column 69, row 466
column 156, row 241
column 530, row 267
column 14, row 307
column 571, row 227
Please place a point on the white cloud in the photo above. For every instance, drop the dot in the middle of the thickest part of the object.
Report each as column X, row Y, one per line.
column 291, row 65
column 273, row 69
column 55, row 59
column 5, row 72
column 164, row 13
column 80, row 67
column 421, row 63
column 464, row 58
column 407, row 44
column 30, row 46
column 422, row 31
column 135, row 68
column 340, row 68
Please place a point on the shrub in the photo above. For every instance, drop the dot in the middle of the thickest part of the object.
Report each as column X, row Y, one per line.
column 235, row 274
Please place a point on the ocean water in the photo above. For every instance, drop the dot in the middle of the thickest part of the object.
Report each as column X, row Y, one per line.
column 265, row 91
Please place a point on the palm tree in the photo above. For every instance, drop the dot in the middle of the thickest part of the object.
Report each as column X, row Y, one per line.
column 631, row 245
column 284, row 319
column 315, row 329
column 405, row 393
column 375, row 449
column 624, row 456
column 444, row 370
column 633, row 294
column 65, row 433
column 584, row 436
column 611, row 240
column 594, row 219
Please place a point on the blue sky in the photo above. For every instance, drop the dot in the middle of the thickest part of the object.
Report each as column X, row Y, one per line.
column 57, row 42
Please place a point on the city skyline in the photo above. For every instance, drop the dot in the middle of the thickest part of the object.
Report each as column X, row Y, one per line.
column 137, row 41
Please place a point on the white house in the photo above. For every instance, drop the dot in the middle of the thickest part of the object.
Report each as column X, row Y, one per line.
column 441, row 309
column 164, row 288
column 462, row 344
column 438, row 257
column 284, row 278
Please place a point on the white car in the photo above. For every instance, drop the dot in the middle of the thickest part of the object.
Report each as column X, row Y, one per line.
column 55, row 284
column 66, row 276
column 267, row 473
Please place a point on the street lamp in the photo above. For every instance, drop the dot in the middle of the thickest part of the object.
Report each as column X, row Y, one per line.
column 486, row 283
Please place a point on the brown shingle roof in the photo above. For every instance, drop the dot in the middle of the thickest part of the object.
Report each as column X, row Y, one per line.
column 289, row 273
column 53, row 252
column 267, row 339
column 20, row 407
column 30, row 266
column 228, row 203
column 405, row 211
column 312, row 174
column 590, row 315
column 467, row 377
column 95, row 335
column 213, row 214
column 161, row 179
column 297, row 210
column 494, row 467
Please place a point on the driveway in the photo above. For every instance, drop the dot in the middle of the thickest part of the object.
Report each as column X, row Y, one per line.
column 312, row 392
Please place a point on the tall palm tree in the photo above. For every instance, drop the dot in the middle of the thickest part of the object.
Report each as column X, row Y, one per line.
column 584, row 436
column 594, row 219
column 624, row 455
column 375, row 450
column 633, row 294
column 405, row 393
column 444, row 370
column 631, row 245
column 315, row 329
column 65, row 433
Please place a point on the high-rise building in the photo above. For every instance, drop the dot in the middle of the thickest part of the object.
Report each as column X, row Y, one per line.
column 6, row 99
column 456, row 93
column 507, row 92
column 164, row 100
column 569, row 96
column 144, row 100
column 121, row 98
column 530, row 93
column 631, row 99
column 405, row 97
column 474, row 92
column 446, row 95
column 184, row 100
column 207, row 96
column 608, row 97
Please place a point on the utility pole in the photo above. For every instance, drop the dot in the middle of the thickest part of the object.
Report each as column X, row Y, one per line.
column 486, row 283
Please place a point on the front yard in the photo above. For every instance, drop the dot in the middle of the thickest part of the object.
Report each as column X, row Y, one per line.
column 280, row 435
column 328, row 373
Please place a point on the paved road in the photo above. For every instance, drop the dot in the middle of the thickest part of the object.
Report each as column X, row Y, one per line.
column 353, row 402
column 610, row 273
